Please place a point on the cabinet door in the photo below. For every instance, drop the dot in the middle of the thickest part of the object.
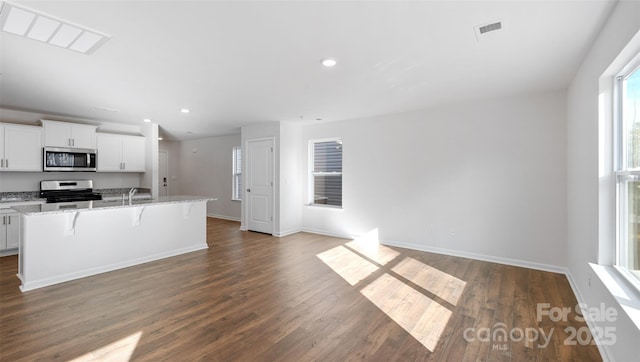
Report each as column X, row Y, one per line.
column 133, row 153
column 109, row 152
column 83, row 136
column 2, row 146
column 57, row 134
column 3, row 231
column 13, row 230
column 23, row 148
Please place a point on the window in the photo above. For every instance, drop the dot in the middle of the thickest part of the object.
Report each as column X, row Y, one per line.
column 237, row 174
column 628, row 170
column 325, row 166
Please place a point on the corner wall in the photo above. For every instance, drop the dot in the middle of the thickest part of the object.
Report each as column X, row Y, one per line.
column 585, row 224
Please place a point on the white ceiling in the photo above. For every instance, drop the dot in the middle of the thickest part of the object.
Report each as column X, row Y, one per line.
column 238, row 63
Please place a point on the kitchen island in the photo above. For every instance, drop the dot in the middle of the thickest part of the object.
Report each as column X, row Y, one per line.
column 67, row 241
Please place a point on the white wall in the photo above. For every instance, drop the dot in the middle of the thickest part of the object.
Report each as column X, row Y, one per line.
column 290, row 218
column 205, row 167
column 483, row 179
column 150, row 178
column 585, row 193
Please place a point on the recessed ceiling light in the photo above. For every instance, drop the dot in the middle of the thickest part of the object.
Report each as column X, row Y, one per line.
column 184, row 110
column 33, row 24
column 160, row 138
column 329, row 62
column 147, row 120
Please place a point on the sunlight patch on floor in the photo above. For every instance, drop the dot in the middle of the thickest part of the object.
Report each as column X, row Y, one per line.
column 435, row 281
column 120, row 350
column 420, row 316
column 369, row 246
column 347, row 264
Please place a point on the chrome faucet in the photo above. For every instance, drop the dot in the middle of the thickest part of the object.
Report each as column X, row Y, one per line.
column 132, row 192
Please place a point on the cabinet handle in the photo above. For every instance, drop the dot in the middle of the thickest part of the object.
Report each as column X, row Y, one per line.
column 8, row 220
column 1, row 162
column 6, row 163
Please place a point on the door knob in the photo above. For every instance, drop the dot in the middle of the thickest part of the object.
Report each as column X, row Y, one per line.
column 248, row 190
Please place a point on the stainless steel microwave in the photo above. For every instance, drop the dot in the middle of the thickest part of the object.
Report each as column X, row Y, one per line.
column 69, row 159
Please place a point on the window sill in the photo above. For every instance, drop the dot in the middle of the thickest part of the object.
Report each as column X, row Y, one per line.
column 624, row 292
column 322, row 206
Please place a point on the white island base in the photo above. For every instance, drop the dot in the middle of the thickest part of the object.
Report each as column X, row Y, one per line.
column 58, row 246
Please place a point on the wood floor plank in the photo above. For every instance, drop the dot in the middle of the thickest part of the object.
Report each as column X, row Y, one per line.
column 255, row 297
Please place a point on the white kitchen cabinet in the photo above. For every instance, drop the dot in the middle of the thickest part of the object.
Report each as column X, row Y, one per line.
column 20, row 147
column 65, row 134
column 9, row 231
column 121, row 153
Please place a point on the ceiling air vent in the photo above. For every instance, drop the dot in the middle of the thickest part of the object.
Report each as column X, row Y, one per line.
column 485, row 30
column 490, row 27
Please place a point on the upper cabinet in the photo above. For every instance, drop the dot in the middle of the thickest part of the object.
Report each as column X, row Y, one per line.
column 73, row 135
column 20, row 148
column 121, row 153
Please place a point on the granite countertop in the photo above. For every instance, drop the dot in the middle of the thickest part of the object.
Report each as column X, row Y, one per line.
column 22, row 197
column 19, row 197
column 64, row 207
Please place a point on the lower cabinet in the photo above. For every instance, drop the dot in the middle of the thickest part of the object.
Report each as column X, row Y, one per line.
column 9, row 232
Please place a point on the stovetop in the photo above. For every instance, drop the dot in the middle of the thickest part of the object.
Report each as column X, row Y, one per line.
column 69, row 196
column 68, row 191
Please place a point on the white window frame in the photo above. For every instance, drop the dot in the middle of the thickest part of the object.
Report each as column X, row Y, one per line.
column 236, row 194
column 622, row 173
column 312, row 174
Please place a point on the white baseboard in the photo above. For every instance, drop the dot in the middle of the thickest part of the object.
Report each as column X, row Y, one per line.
column 604, row 351
column 475, row 256
column 286, row 232
column 224, row 217
column 327, row 233
column 462, row 254
column 9, row 252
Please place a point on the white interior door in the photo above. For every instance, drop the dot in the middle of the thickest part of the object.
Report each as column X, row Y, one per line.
column 163, row 173
column 259, row 192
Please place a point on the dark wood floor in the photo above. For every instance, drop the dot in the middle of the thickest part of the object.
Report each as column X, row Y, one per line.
column 253, row 297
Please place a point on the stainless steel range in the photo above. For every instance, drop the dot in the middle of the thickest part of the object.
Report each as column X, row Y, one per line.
column 68, row 191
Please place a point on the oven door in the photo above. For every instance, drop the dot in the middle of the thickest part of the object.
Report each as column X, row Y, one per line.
column 69, row 159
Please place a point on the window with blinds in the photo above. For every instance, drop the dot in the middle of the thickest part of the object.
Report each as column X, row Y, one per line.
column 237, row 174
column 325, row 172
